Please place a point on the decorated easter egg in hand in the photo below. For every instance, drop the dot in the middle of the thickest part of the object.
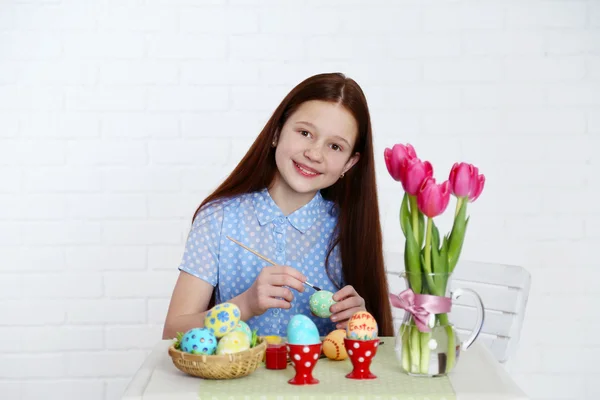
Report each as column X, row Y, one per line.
column 320, row 302
column 233, row 342
column 302, row 330
column 333, row 345
column 222, row 319
column 198, row 341
column 243, row 327
column 361, row 326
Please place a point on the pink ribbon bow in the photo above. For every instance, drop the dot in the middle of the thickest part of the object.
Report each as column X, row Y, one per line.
column 421, row 306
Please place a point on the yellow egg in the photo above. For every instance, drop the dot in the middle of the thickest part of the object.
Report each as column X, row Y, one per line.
column 243, row 327
column 273, row 339
column 233, row 342
column 333, row 345
column 222, row 319
column 361, row 326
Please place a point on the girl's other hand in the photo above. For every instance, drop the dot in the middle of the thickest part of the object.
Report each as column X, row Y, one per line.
column 348, row 302
column 269, row 289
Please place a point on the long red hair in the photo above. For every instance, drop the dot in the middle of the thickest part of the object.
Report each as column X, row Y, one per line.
column 358, row 228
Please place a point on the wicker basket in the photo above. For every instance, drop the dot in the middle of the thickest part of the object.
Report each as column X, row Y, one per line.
column 227, row 366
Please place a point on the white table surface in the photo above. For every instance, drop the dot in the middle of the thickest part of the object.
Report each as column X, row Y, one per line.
column 477, row 376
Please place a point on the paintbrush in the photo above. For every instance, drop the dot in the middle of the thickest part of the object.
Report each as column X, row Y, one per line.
column 266, row 259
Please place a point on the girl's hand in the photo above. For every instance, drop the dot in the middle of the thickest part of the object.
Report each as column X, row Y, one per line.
column 269, row 289
column 348, row 302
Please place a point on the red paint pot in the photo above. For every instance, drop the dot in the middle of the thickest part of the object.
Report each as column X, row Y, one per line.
column 276, row 356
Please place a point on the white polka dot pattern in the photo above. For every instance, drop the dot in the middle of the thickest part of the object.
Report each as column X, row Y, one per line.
column 300, row 240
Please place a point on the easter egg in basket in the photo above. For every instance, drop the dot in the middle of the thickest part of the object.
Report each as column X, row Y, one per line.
column 243, row 327
column 222, row 319
column 233, row 342
column 198, row 341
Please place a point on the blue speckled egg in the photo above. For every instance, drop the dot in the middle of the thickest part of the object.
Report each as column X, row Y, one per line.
column 243, row 327
column 199, row 341
column 222, row 319
column 302, row 330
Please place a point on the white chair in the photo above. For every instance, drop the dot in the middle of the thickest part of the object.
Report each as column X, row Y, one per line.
column 503, row 288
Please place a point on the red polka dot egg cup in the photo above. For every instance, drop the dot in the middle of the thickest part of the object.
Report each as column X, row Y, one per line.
column 303, row 358
column 361, row 353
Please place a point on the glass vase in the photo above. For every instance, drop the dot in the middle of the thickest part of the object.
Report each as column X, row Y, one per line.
column 435, row 352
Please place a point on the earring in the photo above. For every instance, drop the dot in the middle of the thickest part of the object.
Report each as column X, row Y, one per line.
column 274, row 143
column 342, row 175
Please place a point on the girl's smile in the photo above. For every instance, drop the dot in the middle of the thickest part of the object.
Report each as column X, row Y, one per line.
column 305, row 170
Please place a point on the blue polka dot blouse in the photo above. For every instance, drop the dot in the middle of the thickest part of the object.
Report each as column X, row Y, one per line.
column 300, row 240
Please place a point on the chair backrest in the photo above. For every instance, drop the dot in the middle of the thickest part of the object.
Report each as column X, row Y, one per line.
column 503, row 288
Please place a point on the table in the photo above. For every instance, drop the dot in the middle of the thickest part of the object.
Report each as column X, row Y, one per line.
column 477, row 376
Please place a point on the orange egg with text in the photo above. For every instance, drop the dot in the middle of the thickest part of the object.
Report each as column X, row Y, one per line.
column 362, row 326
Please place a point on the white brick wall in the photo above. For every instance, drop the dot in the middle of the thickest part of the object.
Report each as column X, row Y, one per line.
column 118, row 117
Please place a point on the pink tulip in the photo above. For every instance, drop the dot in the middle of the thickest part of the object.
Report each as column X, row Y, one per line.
column 477, row 188
column 412, row 174
column 395, row 156
column 461, row 179
column 433, row 198
column 465, row 181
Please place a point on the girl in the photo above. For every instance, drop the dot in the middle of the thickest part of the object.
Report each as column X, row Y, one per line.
column 304, row 195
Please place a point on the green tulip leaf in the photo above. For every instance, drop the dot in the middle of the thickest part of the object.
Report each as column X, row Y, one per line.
column 421, row 228
column 457, row 237
column 404, row 214
column 412, row 260
column 444, row 265
column 435, row 237
column 436, row 266
column 429, row 284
